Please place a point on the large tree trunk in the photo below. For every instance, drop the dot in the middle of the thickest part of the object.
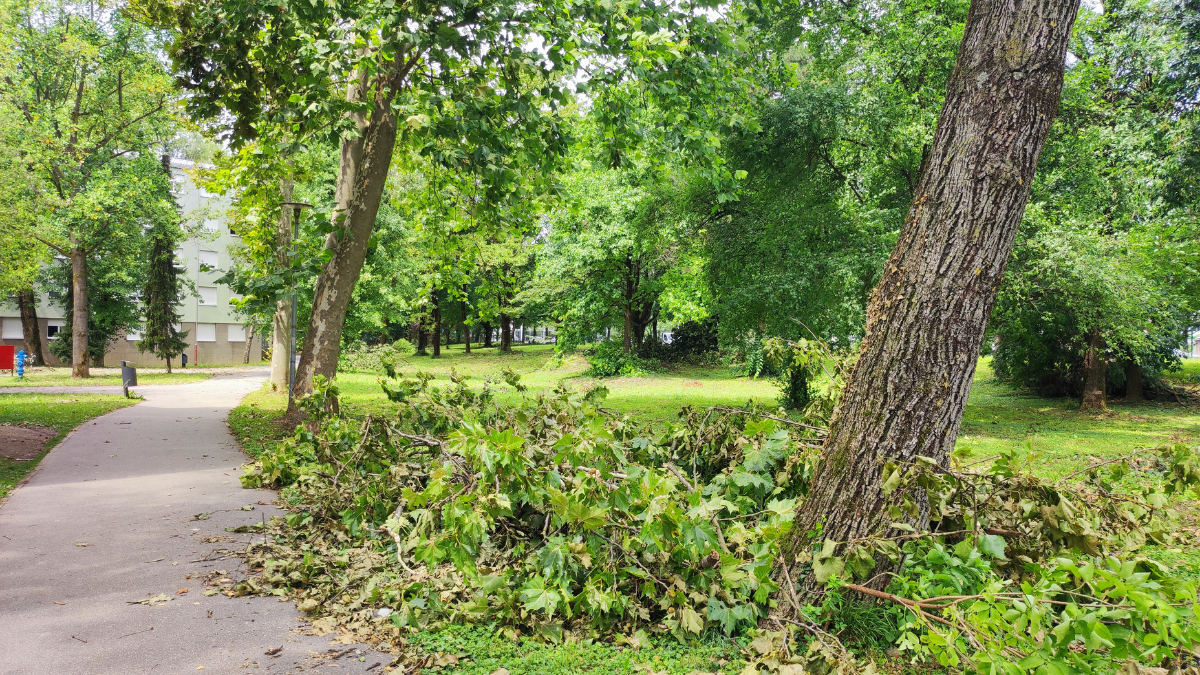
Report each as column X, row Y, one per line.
column 281, row 323
column 505, row 333
column 422, row 339
column 487, row 335
column 362, row 176
column 79, row 314
column 1095, row 374
column 926, row 318
column 1133, row 382
column 30, row 328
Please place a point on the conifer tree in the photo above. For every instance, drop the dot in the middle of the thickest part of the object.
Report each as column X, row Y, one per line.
column 163, row 292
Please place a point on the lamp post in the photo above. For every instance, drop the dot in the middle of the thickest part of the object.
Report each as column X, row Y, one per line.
column 296, row 207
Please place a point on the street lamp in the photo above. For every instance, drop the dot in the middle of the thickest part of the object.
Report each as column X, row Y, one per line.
column 297, row 207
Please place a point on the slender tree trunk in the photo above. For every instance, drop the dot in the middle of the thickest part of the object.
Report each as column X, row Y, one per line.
column 926, row 318
column 422, row 340
column 281, row 323
column 1095, row 374
column 466, row 328
column 505, row 333
column 30, row 327
column 627, row 341
column 249, row 344
column 487, row 335
column 79, row 314
column 437, row 326
column 1133, row 382
column 362, row 176
column 168, row 360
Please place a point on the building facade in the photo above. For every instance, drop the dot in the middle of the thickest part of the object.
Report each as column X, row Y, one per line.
column 215, row 335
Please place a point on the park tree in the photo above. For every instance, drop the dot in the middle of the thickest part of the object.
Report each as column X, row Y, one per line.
column 609, row 248
column 21, row 255
column 1103, row 267
column 374, row 73
column 89, row 92
column 164, row 284
column 906, row 394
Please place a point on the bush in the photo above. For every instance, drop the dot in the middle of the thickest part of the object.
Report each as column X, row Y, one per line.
column 608, row 359
column 695, row 337
column 363, row 358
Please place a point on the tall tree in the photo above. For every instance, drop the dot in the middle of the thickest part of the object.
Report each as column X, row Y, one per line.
column 926, row 319
column 487, row 72
column 164, row 284
column 88, row 88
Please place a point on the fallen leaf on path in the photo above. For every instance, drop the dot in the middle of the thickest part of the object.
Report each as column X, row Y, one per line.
column 275, row 650
column 159, row 599
column 82, row 543
column 211, row 592
column 261, row 503
column 182, row 591
column 155, row 560
column 248, row 507
column 59, row 603
column 202, row 516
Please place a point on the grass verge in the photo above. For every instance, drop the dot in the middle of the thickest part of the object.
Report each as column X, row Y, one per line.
column 62, row 412
column 46, row 376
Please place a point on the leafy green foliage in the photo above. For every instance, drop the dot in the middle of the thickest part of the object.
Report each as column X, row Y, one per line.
column 547, row 516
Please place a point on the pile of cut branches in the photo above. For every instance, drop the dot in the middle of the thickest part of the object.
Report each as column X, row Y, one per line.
column 556, row 518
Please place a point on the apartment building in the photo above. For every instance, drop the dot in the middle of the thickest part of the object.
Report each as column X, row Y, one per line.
column 214, row 334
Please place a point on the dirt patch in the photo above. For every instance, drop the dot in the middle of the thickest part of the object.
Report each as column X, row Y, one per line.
column 23, row 443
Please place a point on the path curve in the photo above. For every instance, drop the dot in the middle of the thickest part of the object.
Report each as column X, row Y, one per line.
column 128, row 485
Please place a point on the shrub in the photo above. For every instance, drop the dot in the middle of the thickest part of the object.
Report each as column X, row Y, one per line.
column 608, row 359
column 363, row 358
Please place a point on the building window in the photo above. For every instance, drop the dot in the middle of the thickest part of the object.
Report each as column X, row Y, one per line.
column 212, row 225
column 133, row 335
column 237, row 333
column 206, row 332
column 208, row 259
column 52, row 328
column 12, row 330
column 208, row 295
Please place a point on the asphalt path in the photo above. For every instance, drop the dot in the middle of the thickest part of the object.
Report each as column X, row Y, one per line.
column 109, row 519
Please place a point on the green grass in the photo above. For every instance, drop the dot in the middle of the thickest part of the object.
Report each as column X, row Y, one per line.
column 62, row 412
column 999, row 417
column 486, row 652
column 46, row 376
column 1190, row 374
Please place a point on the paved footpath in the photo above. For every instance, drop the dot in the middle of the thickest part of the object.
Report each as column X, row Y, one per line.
column 108, row 518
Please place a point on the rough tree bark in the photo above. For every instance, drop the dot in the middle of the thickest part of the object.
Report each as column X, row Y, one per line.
column 926, row 318
column 1133, row 382
column 79, row 314
column 281, row 323
column 362, row 176
column 1095, row 374
column 32, row 330
column 505, row 333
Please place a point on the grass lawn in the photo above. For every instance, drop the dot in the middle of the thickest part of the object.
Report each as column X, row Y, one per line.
column 61, row 412
column 48, row 376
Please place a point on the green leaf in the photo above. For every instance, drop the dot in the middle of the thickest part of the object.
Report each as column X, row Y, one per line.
column 992, row 545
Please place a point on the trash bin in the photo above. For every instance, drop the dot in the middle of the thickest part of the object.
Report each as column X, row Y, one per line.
column 184, row 357
column 128, row 377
